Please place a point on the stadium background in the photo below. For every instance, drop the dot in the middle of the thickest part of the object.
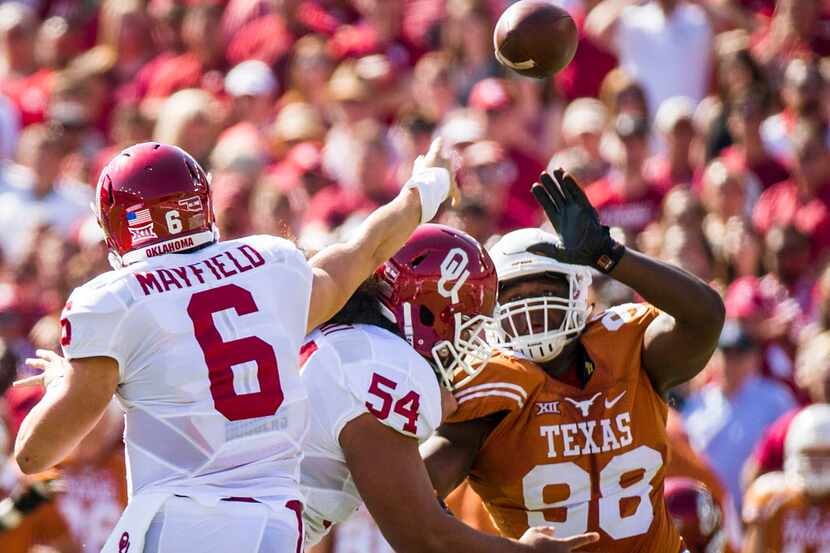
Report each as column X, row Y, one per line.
column 699, row 129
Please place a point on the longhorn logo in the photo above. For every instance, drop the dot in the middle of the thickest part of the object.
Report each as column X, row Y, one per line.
column 585, row 405
column 453, row 270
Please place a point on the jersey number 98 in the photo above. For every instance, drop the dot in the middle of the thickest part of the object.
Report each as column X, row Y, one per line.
column 612, row 493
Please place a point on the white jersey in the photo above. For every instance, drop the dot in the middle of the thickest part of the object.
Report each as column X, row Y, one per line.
column 349, row 370
column 207, row 347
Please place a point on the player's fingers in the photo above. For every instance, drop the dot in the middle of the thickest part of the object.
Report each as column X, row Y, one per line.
column 418, row 165
column 565, row 183
column 574, row 190
column 36, row 363
column 544, row 198
column 434, row 149
column 554, row 187
column 581, row 540
column 28, row 382
column 47, row 354
column 547, row 249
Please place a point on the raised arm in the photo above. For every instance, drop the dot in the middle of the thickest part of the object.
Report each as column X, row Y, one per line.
column 77, row 394
column 341, row 268
column 679, row 342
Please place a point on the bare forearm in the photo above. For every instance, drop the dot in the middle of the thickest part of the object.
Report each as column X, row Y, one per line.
column 386, row 230
column 680, row 294
column 340, row 269
column 73, row 404
column 450, row 535
column 44, row 438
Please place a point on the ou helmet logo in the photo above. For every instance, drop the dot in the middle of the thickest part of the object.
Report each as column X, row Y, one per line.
column 453, row 270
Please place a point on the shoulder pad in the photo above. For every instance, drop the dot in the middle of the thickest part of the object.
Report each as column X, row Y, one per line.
column 505, row 384
column 92, row 316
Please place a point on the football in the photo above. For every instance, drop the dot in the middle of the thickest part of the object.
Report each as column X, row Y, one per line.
column 535, row 38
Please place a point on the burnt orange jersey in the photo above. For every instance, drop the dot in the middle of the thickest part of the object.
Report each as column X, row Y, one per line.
column 466, row 505
column 787, row 519
column 577, row 459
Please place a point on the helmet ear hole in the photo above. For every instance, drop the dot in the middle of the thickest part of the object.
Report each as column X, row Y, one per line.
column 427, row 318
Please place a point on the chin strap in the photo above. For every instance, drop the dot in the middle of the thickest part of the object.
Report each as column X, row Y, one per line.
column 175, row 245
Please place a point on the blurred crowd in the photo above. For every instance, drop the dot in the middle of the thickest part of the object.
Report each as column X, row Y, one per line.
column 698, row 128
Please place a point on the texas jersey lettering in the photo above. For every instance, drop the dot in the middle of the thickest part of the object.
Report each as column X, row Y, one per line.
column 579, row 460
column 788, row 521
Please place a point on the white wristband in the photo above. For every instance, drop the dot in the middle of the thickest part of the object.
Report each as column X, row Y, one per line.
column 433, row 186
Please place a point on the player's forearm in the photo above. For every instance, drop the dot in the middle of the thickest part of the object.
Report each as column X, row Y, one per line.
column 380, row 236
column 45, row 437
column 385, row 231
column 72, row 406
column 340, row 269
column 450, row 535
column 691, row 302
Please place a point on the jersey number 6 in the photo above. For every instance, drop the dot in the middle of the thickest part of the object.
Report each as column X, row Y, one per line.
column 220, row 357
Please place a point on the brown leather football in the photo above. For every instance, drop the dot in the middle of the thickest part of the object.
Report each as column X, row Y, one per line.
column 535, row 38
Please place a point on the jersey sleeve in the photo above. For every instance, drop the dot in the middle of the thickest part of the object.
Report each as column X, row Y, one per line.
column 405, row 396
column 287, row 255
column 504, row 385
column 90, row 324
column 351, row 374
column 614, row 337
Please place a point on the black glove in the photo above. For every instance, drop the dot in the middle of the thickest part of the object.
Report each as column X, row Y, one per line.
column 584, row 241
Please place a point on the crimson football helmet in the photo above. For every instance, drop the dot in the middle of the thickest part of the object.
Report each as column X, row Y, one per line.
column 153, row 199
column 440, row 290
column 696, row 515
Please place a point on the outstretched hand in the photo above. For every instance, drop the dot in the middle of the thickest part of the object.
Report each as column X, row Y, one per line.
column 436, row 157
column 541, row 539
column 584, row 241
column 53, row 366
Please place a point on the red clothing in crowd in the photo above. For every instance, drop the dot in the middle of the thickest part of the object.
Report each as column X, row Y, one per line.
column 631, row 214
column 30, row 95
column 769, row 453
column 334, row 204
column 818, row 45
column 768, row 170
column 266, row 38
column 173, row 73
column 584, row 75
column 659, row 172
column 780, row 205
column 521, row 209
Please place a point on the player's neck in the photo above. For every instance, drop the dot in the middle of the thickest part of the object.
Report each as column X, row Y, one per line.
column 566, row 366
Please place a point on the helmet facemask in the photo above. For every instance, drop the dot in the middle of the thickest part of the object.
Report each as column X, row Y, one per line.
column 459, row 361
column 529, row 326
column 810, row 471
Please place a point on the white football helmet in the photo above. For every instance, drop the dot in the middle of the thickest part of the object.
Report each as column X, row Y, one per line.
column 513, row 261
column 809, row 431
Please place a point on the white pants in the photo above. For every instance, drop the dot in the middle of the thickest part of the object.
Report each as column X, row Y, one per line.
column 184, row 526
